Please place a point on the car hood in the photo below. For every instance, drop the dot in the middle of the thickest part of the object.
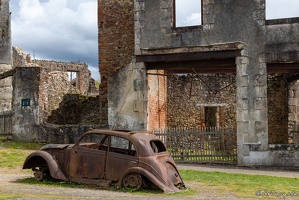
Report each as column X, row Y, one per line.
column 56, row 146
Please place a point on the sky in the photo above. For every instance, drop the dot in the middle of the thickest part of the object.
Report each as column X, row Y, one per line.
column 66, row 30
column 60, row 30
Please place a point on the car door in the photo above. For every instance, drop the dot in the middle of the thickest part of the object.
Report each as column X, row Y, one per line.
column 120, row 156
column 88, row 158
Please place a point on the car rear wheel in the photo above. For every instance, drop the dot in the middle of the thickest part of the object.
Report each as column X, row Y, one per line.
column 132, row 181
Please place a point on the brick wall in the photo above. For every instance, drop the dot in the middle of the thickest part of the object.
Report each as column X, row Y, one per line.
column 157, row 106
column 116, row 43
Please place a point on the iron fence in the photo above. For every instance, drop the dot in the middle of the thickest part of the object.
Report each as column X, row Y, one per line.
column 200, row 145
column 6, row 123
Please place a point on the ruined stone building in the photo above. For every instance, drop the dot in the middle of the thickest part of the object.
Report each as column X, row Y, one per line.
column 233, row 52
column 51, row 95
column 50, row 101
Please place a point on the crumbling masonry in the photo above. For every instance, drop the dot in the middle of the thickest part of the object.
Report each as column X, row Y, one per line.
column 234, row 38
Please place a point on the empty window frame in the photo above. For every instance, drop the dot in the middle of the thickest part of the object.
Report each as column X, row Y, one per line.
column 187, row 13
column 73, row 78
column 278, row 9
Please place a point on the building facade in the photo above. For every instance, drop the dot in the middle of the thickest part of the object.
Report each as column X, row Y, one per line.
column 233, row 37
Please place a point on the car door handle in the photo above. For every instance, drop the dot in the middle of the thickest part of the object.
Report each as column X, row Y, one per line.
column 134, row 162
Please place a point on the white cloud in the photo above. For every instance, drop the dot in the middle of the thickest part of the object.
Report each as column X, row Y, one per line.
column 191, row 20
column 276, row 9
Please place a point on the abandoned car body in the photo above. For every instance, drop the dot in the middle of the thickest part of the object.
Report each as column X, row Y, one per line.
column 104, row 157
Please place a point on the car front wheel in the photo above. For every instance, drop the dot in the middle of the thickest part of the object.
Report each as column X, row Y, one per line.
column 39, row 175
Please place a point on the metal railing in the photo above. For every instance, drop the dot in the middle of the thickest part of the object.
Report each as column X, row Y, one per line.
column 200, row 145
column 6, row 123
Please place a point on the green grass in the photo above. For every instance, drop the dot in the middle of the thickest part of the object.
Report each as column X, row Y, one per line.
column 13, row 154
column 20, row 145
column 9, row 196
column 244, row 185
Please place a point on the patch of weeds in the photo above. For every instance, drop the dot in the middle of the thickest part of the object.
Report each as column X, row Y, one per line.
column 9, row 196
column 51, row 182
column 20, row 145
column 3, row 139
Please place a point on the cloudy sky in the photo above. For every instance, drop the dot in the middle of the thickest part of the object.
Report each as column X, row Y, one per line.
column 60, row 30
column 66, row 30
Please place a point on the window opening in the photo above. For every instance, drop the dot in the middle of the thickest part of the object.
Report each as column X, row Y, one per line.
column 211, row 116
column 187, row 13
column 73, row 78
column 92, row 141
column 121, row 146
column 118, row 142
column 157, row 146
column 278, row 9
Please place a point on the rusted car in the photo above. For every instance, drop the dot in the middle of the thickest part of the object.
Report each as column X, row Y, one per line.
column 107, row 157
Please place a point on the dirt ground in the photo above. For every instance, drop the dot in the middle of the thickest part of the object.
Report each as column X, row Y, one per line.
column 12, row 188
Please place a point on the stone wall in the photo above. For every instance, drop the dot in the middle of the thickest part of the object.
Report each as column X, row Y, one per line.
column 116, row 43
column 25, row 104
column 62, row 134
column 76, row 109
column 55, row 80
column 293, row 107
column 227, row 26
column 188, row 98
column 5, row 56
column 46, row 85
column 127, row 102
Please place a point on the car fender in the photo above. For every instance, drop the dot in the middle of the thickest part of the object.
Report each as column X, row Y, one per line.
column 32, row 161
column 161, row 184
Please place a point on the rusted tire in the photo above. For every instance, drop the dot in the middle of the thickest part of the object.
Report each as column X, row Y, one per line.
column 132, row 181
column 39, row 175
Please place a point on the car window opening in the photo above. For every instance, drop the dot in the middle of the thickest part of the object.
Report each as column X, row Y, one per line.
column 157, row 146
column 122, row 146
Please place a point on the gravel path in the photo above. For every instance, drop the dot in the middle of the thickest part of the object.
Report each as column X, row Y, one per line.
column 10, row 186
